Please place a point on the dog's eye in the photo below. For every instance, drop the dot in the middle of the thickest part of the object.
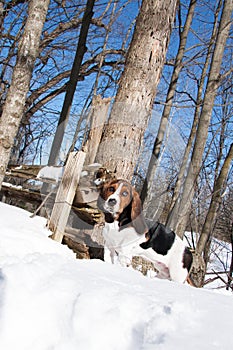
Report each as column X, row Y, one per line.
column 125, row 194
column 111, row 189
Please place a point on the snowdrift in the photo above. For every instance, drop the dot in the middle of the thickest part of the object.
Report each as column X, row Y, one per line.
column 49, row 300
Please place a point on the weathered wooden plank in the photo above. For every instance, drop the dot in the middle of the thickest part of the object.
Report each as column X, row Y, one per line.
column 99, row 115
column 24, row 171
column 34, row 199
column 65, row 195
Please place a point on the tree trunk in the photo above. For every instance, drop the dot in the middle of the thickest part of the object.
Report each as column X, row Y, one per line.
column 199, row 266
column 1, row 14
column 174, row 207
column 14, row 106
column 99, row 114
column 122, row 137
column 71, row 86
column 208, row 226
column 230, row 275
column 148, row 184
column 198, row 270
column 202, row 130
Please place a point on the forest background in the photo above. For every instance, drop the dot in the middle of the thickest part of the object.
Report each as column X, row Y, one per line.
column 181, row 99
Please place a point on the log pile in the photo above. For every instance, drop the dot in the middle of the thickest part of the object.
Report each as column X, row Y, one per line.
column 84, row 213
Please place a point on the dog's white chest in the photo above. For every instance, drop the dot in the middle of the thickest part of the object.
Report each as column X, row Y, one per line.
column 119, row 239
column 121, row 242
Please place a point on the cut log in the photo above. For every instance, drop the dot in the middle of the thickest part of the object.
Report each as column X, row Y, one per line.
column 65, row 195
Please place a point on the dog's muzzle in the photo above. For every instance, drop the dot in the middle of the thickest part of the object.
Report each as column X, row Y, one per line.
column 111, row 202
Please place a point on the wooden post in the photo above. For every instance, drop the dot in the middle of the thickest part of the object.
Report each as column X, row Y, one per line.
column 65, row 195
column 100, row 109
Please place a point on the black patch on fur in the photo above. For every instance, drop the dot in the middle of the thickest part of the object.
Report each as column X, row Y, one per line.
column 187, row 259
column 108, row 217
column 160, row 239
column 125, row 217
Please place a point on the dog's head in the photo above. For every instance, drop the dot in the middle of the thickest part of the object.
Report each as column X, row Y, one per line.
column 119, row 201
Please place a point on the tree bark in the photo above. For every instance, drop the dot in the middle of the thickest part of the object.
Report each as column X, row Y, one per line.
column 99, row 114
column 27, row 53
column 204, row 121
column 1, row 14
column 230, row 275
column 122, row 136
column 198, row 270
column 71, row 87
column 148, row 184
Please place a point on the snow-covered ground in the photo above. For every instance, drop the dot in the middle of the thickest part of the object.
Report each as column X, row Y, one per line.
column 51, row 301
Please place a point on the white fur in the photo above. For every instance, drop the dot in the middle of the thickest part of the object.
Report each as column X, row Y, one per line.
column 116, row 196
column 122, row 245
column 173, row 260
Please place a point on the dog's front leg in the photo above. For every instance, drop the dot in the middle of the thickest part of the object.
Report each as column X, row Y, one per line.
column 124, row 260
column 110, row 255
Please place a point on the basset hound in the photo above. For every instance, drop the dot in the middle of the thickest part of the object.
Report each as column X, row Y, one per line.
column 126, row 234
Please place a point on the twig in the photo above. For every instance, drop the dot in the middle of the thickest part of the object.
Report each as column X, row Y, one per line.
column 41, row 205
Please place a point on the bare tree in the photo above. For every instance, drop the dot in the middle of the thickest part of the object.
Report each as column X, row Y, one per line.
column 148, row 184
column 174, row 206
column 204, row 121
column 71, row 86
column 122, row 136
column 199, row 267
column 14, row 106
column 53, row 65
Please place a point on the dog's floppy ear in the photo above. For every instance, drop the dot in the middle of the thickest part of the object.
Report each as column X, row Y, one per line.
column 137, row 216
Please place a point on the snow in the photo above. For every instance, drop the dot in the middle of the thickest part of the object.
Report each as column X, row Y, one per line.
column 51, row 301
column 55, row 172
column 51, row 172
column 7, row 184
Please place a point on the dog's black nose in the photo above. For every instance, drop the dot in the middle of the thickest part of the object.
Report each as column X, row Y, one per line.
column 112, row 202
